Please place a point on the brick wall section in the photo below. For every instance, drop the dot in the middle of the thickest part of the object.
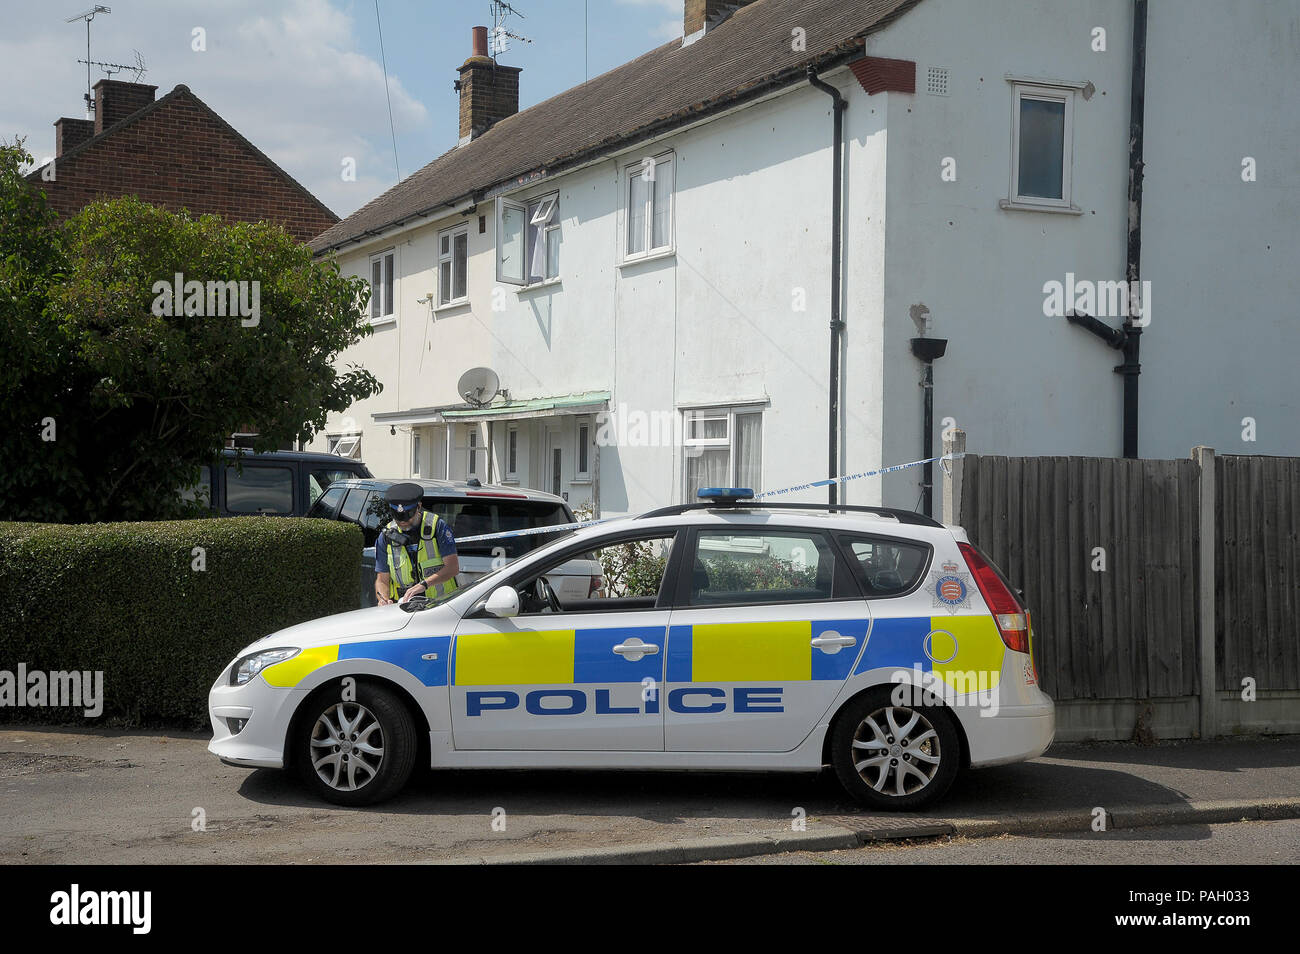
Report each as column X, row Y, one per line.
column 487, row 94
column 71, row 133
column 178, row 155
column 877, row 74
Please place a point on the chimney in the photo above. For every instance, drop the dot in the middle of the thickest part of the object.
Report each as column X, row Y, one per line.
column 488, row 92
column 71, row 133
column 115, row 100
column 703, row 15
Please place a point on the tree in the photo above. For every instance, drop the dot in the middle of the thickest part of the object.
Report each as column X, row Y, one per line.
column 116, row 390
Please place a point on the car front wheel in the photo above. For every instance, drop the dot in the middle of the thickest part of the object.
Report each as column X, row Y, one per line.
column 358, row 750
column 893, row 757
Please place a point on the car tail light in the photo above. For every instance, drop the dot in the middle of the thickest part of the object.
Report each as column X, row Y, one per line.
column 1011, row 619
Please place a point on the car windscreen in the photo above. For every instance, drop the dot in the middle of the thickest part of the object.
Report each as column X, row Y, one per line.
column 473, row 516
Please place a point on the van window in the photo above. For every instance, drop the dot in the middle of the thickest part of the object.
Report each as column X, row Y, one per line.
column 259, row 489
column 477, row 515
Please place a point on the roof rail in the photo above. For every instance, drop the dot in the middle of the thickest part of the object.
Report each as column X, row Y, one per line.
column 902, row 516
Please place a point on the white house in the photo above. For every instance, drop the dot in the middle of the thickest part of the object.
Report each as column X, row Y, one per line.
column 645, row 260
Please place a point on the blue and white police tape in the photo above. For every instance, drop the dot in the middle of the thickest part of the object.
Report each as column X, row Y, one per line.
column 531, row 531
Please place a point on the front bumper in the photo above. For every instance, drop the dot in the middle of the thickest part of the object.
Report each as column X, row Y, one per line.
column 267, row 709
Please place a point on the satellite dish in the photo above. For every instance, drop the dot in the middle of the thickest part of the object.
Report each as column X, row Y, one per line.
column 478, row 386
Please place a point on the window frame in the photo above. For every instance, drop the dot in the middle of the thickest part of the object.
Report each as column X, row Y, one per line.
column 386, row 309
column 417, row 463
column 581, row 450
column 668, row 585
column 632, row 171
column 529, row 208
column 471, row 448
column 730, row 412
column 512, row 453
column 446, row 295
column 354, row 451
column 1051, row 93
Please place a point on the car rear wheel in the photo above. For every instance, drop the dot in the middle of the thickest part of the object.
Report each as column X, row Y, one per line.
column 895, row 757
column 356, row 751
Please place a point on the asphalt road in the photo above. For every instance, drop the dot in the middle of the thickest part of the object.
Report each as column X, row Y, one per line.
column 76, row 797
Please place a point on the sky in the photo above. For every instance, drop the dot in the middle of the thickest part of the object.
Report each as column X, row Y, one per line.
column 303, row 80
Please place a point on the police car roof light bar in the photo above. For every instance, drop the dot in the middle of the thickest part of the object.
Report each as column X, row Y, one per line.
column 902, row 516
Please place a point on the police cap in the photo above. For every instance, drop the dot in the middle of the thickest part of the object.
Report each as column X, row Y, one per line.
column 404, row 498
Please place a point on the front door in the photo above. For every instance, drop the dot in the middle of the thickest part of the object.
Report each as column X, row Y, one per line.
column 761, row 641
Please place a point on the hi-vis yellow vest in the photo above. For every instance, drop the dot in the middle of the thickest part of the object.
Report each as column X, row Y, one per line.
column 401, row 573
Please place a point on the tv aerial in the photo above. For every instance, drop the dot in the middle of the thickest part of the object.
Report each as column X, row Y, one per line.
column 499, row 38
column 478, row 386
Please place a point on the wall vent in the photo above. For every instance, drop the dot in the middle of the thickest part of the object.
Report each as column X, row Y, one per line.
column 936, row 81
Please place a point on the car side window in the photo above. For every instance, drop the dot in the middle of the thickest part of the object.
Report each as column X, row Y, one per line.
column 885, row 566
column 327, row 505
column 259, row 489
column 319, row 480
column 736, row 566
column 353, row 505
column 621, row 576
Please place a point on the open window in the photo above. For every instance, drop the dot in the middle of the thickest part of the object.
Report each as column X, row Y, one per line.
column 619, row 576
column 528, row 240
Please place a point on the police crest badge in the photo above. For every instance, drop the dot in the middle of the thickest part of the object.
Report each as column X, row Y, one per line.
column 949, row 587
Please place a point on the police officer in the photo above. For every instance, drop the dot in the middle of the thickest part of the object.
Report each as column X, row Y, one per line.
column 416, row 553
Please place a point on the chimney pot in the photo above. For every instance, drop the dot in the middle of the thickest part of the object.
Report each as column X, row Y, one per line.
column 480, row 41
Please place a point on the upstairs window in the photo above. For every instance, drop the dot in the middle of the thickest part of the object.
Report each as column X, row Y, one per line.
column 453, row 265
column 528, row 240
column 1042, row 130
column 381, row 286
column 648, row 214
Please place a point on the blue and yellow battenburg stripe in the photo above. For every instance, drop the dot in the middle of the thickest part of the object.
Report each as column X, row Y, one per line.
column 943, row 645
column 780, row 651
column 408, row 654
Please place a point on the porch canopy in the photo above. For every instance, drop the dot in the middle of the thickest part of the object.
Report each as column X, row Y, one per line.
column 588, row 402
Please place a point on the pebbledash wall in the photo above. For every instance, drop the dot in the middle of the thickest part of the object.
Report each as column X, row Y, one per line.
column 717, row 321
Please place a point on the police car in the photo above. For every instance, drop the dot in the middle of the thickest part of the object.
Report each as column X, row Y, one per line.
column 732, row 635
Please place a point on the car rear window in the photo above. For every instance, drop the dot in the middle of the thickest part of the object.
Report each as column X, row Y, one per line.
column 477, row 515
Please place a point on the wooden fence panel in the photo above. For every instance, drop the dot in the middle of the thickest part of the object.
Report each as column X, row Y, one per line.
column 1257, row 572
column 1128, row 631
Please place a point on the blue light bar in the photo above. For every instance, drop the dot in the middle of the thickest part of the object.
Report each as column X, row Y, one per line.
column 725, row 494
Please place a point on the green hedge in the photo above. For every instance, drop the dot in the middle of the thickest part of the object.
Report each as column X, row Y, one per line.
column 125, row 598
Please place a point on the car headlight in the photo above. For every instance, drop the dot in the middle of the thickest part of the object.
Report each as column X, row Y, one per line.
column 250, row 665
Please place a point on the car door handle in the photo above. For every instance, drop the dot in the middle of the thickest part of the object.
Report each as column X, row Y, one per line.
column 836, row 641
column 634, row 649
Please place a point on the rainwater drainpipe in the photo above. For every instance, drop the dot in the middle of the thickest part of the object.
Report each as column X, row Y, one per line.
column 1128, row 338
column 1131, row 368
column 833, row 422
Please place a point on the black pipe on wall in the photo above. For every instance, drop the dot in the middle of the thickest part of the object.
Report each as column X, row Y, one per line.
column 1131, row 367
column 837, row 325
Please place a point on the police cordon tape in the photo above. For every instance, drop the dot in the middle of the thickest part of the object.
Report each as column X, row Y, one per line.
column 531, row 531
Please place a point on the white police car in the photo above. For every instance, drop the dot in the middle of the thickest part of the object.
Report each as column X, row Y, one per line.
column 730, row 635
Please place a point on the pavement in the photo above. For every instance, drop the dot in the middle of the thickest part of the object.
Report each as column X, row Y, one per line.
column 74, row 796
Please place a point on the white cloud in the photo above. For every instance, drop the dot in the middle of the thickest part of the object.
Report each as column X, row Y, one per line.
column 665, row 29
column 290, row 78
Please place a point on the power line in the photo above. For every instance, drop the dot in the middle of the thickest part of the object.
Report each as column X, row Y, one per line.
column 382, row 59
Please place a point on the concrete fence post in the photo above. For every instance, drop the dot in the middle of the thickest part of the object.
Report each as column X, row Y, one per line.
column 1204, row 457
column 954, row 442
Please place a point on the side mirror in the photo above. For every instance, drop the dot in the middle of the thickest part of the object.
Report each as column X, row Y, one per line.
column 503, row 603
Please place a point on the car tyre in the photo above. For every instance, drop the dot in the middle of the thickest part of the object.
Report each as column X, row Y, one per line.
column 895, row 758
column 356, row 752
